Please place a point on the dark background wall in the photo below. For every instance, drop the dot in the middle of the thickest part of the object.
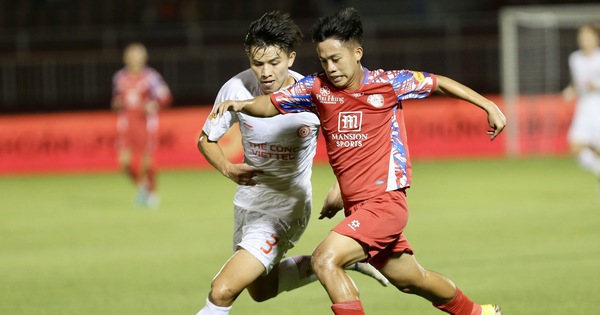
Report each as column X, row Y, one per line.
column 60, row 55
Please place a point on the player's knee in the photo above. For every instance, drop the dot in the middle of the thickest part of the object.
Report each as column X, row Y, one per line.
column 322, row 262
column 222, row 294
column 411, row 284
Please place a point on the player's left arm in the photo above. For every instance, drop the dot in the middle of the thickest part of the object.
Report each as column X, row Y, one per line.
column 260, row 106
column 116, row 102
column 161, row 94
column 449, row 87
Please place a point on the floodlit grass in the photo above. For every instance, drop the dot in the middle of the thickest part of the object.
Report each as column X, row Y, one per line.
column 521, row 233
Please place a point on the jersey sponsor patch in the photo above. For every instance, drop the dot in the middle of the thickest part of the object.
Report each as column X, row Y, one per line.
column 349, row 121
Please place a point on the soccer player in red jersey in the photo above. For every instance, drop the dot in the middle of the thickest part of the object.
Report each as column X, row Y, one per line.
column 139, row 92
column 361, row 117
column 273, row 201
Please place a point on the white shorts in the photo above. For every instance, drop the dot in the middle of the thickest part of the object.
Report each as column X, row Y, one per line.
column 585, row 127
column 266, row 237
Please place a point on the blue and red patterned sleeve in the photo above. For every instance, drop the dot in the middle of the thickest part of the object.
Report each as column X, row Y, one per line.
column 412, row 84
column 160, row 90
column 296, row 98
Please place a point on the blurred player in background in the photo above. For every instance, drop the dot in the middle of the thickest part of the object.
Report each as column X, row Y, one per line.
column 584, row 133
column 366, row 143
column 139, row 92
column 272, row 205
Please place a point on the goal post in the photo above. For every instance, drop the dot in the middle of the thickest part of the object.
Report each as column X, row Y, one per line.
column 535, row 42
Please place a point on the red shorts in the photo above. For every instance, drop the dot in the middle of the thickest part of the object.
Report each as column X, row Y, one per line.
column 137, row 141
column 378, row 224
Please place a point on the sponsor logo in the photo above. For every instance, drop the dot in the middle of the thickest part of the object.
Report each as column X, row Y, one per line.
column 349, row 121
column 326, row 97
column 354, row 224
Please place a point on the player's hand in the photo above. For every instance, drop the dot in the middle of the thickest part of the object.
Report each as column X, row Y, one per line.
column 221, row 108
column 243, row 174
column 152, row 107
column 333, row 203
column 116, row 103
column 569, row 94
column 497, row 121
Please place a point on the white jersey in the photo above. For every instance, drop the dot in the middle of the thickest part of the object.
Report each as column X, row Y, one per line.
column 585, row 71
column 283, row 147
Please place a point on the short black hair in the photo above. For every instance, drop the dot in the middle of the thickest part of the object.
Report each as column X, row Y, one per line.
column 273, row 29
column 344, row 25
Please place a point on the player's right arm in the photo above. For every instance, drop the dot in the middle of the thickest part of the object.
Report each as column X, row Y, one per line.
column 260, row 106
column 241, row 174
column 333, row 202
column 214, row 129
column 116, row 102
column 569, row 93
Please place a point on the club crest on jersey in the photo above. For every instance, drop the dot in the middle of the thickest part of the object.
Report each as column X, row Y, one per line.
column 376, row 100
column 349, row 121
column 304, row 131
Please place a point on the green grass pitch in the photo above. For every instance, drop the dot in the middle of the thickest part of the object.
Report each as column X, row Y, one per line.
column 521, row 233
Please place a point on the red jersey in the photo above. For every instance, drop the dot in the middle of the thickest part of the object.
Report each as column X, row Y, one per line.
column 364, row 129
column 133, row 91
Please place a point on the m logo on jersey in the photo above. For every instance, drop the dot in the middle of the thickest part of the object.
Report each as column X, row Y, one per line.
column 349, row 121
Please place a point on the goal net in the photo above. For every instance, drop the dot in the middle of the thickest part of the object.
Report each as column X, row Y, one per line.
column 535, row 45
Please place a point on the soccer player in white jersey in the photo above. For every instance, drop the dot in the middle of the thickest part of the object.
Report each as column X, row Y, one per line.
column 584, row 132
column 362, row 121
column 272, row 204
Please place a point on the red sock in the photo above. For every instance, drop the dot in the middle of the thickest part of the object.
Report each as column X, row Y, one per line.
column 348, row 308
column 460, row 305
column 151, row 176
column 133, row 174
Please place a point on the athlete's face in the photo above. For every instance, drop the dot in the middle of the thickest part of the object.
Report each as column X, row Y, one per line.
column 587, row 39
column 341, row 62
column 270, row 66
column 135, row 58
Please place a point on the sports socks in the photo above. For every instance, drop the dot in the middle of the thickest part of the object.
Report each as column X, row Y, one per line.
column 132, row 173
column 151, row 179
column 211, row 309
column 589, row 160
column 295, row 272
column 460, row 305
column 348, row 308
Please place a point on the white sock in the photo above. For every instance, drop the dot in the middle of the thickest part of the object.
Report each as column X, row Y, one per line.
column 211, row 309
column 295, row 272
column 589, row 160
